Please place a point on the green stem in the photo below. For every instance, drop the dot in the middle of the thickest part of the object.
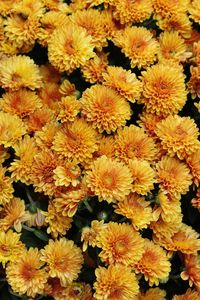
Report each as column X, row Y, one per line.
column 87, row 205
column 28, row 228
column 29, row 196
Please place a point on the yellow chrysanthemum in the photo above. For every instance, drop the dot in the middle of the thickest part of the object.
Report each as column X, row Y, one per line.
column 21, row 103
column 64, row 260
column 39, row 118
column 89, row 234
column 94, row 68
column 176, row 21
column 26, row 275
column 194, row 10
column 191, row 271
column 69, row 109
column 116, row 282
column 132, row 12
column 124, row 82
column 194, row 82
column 154, row 263
column 178, row 135
column 161, row 228
column 12, row 129
column 69, row 48
column 153, row 293
column 165, row 8
column 104, row 108
column 67, row 203
column 137, row 209
column 189, row 295
column 10, row 246
column 120, row 243
column 13, row 214
column 143, row 176
column 6, row 6
column 109, row 180
column 164, row 90
column 148, row 122
column 92, row 21
column 68, row 89
column 67, row 174
column 50, row 96
column 57, row 223
column 132, row 142
column 106, row 147
column 138, row 44
column 172, row 47
column 77, row 140
column 57, row 5
column 44, row 138
column 28, row 7
column 6, row 188
column 19, row 71
column 25, row 150
column 173, row 176
column 193, row 162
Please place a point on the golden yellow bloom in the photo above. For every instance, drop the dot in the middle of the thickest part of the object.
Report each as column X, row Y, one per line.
column 13, row 214
column 138, row 44
column 6, row 6
column 110, row 24
column 89, row 234
column 196, row 48
column 172, row 47
column 92, row 21
column 176, row 21
column 104, row 108
column 39, row 118
column 132, row 142
column 57, row 5
column 57, row 223
column 64, row 260
column 67, row 174
column 132, row 11
column 19, row 71
column 6, row 188
column 143, row 176
column 137, row 209
column 116, row 282
column 152, row 293
column 194, row 10
column 50, row 96
column 3, row 154
column 28, row 7
column 12, row 129
column 165, row 8
column 69, row 108
column 10, row 246
column 106, row 147
column 154, row 263
column 108, row 179
column 192, row 270
column 161, row 228
column 69, row 48
column 44, row 138
column 49, row 73
column 68, row 89
column 194, row 82
column 25, row 150
column 148, row 122
column 173, row 176
column 178, row 135
column 124, row 82
column 164, row 90
column 189, row 295
column 77, row 140
column 26, row 275
column 21, row 103
column 120, row 243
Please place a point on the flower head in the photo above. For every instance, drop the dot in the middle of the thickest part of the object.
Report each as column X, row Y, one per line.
column 69, row 109
column 152, row 293
column 191, row 271
column 189, row 295
column 6, row 188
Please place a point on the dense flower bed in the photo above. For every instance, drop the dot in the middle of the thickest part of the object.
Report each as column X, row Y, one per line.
column 99, row 149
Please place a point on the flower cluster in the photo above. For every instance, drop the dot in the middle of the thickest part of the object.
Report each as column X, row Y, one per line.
column 99, row 148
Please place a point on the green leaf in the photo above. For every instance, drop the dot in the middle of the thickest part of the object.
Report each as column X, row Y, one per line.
column 41, row 235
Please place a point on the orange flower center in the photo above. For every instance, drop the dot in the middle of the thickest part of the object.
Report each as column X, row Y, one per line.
column 28, row 272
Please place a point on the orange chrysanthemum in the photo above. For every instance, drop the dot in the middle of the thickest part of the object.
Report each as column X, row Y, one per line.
column 39, row 118
column 19, row 71
column 164, row 90
column 194, row 82
column 192, row 270
column 116, row 282
column 69, row 48
column 68, row 89
column 67, row 174
column 57, row 5
column 138, row 44
column 132, row 12
column 57, row 223
column 12, row 129
column 50, row 96
column 178, row 135
column 189, row 295
column 6, row 6
column 194, row 10
column 44, row 138
column 143, row 176
column 94, row 68
column 69, row 108
column 106, row 147
column 153, row 293
column 10, row 246
column 13, row 214
column 148, row 122
column 49, row 73
column 165, row 8
column 26, row 275
column 6, row 188
column 196, row 201
column 132, row 142
column 64, row 260
column 104, row 108
column 173, row 176
column 137, row 209
column 154, row 263
column 124, row 82
column 21, row 103
column 161, row 228
column 29, row 7
column 120, row 243
column 76, row 140
column 109, row 180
